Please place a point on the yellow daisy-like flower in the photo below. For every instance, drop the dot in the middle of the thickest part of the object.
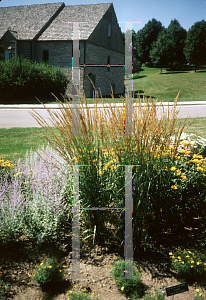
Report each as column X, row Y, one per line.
column 191, row 266
column 187, row 152
column 197, row 290
column 170, row 253
column 178, row 172
column 122, row 288
column 179, row 257
column 184, row 178
column 182, row 151
column 185, row 143
column 198, row 263
column 199, row 169
column 173, row 169
column 76, row 159
column 49, row 267
column 174, row 187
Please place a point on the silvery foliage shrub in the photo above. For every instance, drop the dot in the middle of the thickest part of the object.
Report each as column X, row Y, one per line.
column 34, row 200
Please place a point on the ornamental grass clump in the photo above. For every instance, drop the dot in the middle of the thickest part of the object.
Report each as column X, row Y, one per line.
column 190, row 265
column 49, row 271
column 130, row 287
column 105, row 153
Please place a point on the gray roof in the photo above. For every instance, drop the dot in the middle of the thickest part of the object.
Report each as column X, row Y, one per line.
column 60, row 29
column 28, row 20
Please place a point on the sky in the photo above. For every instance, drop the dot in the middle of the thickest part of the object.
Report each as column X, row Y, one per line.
column 187, row 12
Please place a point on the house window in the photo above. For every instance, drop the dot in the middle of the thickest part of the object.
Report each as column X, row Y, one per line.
column 46, row 56
column 109, row 30
column 108, row 62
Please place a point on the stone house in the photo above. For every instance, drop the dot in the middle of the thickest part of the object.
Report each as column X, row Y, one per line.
column 44, row 33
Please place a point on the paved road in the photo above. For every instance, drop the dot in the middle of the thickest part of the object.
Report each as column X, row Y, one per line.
column 19, row 116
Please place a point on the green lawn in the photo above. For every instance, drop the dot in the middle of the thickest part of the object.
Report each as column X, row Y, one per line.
column 165, row 86
column 15, row 141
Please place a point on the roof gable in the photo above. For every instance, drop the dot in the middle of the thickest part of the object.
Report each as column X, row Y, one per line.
column 60, row 29
column 10, row 34
column 27, row 20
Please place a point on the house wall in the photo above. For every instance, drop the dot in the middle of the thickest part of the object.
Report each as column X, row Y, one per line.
column 103, row 79
column 24, row 48
column 60, row 55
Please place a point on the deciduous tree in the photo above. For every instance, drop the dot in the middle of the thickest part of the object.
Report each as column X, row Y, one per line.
column 195, row 44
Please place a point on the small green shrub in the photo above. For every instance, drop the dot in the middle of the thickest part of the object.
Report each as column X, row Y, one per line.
column 200, row 296
column 190, row 265
column 23, row 80
column 49, row 271
column 81, row 295
column 130, row 287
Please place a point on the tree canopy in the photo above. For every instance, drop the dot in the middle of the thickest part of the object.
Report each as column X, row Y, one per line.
column 145, row 37
column 195, row 44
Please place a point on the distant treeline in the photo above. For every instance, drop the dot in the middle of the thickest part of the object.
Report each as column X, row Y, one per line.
column 155, row 45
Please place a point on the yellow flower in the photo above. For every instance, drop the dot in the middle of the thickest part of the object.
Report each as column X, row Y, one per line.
column 199, row 169
column 76, row 159
column 183, row 177
column 173, row 169
column 197, row 290
column 184, row 143
column 170, row 253
column 174, row 187
column 122, row 288
column 49, row 267
column 198, row 263
column 179, row 257
column 191, row 266
column 182, row 151
column 178, row 172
